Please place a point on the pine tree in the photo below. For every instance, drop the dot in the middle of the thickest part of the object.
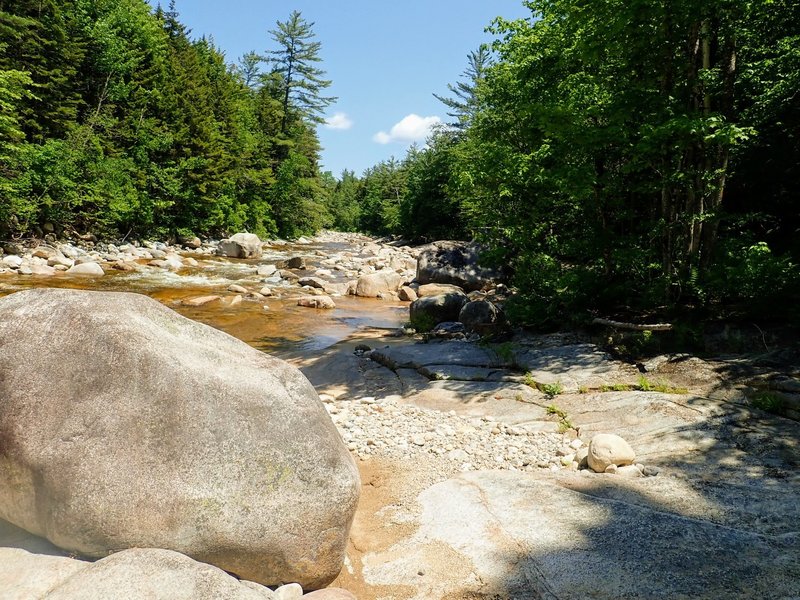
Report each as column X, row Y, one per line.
column 302, row 83
column 464, row 104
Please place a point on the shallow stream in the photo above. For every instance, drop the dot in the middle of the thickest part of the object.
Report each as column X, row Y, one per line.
column 283, row 329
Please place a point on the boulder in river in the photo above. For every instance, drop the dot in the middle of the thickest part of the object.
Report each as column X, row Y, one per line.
column 455, row 263
column 381, row 282
column 128, row 425
column 240, row 245
column 89, row 269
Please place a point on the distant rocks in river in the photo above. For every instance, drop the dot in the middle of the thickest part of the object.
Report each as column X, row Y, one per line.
column 240, row 245
column 128, row 425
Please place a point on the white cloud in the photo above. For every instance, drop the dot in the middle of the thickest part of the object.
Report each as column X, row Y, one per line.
column 339, row 121
column 411, row 128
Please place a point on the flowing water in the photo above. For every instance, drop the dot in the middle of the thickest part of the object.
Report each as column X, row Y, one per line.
column 284, row 329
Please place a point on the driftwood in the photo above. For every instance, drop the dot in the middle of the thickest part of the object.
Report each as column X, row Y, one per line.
column 634, row 326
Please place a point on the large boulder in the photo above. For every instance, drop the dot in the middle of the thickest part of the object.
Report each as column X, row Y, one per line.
column 429, row 311
column 240, row 245
column 480, row 316
column 381, row 282
column 455, row 263
column 124, row 424
column 155, row 573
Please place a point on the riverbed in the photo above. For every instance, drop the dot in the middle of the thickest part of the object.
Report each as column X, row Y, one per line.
column 275, row 324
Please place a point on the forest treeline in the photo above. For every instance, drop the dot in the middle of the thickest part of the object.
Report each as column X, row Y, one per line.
column 620, row 157
column 114, row 121
column 617, row 156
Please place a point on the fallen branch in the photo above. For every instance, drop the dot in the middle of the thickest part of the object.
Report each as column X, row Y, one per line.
column 634, row 326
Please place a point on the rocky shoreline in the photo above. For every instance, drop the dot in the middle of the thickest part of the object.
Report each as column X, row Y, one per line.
column 478, row 459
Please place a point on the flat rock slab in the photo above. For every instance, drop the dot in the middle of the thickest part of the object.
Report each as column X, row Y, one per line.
column 511, row 535
column 572, row 366
column 510, row 403
column 415, row 356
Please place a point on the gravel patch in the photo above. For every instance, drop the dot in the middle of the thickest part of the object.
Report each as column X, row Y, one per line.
column 388, row 429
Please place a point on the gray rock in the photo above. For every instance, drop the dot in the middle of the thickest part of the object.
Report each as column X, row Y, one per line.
column 266, row 270
column 192, row 243
column 88, row 269
column 455, row 263
column 314, row 282
column 12, row 261
column 324, row 302
column 289, row 591
column 429, row 311
column 373, row 284
column 606, row 449
column 241, row 245
column 550, row 541
column 154, row 573
column 407, row 294
column 130, row 426
column 437, row 289
column 25, row 575
column 296, row 262
column 42, row 270
column 479, row 316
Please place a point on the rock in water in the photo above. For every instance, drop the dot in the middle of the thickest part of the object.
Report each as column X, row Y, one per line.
column 241, row 245
column 372, row 284
column 128, row 425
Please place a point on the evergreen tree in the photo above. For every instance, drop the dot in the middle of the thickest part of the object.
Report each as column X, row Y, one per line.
column 302, row 82
column 464, row 103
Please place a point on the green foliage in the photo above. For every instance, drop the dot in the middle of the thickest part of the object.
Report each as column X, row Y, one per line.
column 301, row 82
column 564, row 423
column 600, row 156
column 645, row 385
column 113, row 120
column 768, row 401
column 423, row 322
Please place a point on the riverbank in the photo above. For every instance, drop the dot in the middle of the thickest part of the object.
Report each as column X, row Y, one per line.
column 471, row 454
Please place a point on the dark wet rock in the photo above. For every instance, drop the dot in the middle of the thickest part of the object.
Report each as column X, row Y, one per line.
column 455, row 263
column 429, row 311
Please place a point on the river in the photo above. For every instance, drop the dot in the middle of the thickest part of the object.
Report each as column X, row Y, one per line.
column 282, row 329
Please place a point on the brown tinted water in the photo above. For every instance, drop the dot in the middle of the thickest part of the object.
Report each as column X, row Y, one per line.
column 284, row 329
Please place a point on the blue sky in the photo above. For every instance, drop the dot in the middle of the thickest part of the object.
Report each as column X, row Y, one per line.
column 386, row 59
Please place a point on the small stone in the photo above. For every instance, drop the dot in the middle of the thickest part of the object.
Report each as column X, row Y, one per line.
column 199, row 300
column 237, row 289
column 323, row 302
column 629, row 471
column 418, row 439
column 290, row 591
column 567, row 460
column 649, row 471
column 575, row 444
column 611, row 469
column 265, row 291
